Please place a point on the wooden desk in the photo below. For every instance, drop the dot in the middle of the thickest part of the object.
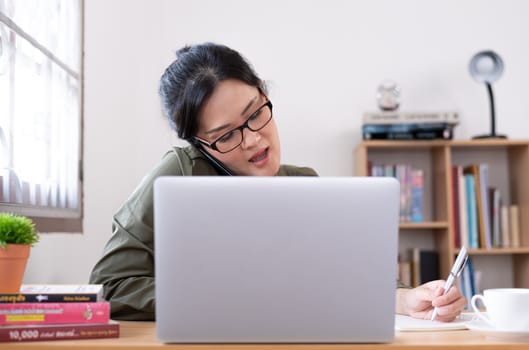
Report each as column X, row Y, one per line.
column 142, row 336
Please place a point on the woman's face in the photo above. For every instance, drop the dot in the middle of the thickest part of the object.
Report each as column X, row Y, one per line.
column 230, row 105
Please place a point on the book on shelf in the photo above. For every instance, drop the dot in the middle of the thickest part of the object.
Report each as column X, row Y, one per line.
column 424, row 266
column 400, row 117
column 473, row 238
column 45, row 332
column 466, row 282
column 463, row 214
column 54, row 313
column 505, row 229
column 455, row 206
column 480, row 174
column 495, row 202
column 479, row 219
column 411, row 182
column 420, row 131
column 514, row 225
column 417, row 189
column 55, row 293
column 404, row 270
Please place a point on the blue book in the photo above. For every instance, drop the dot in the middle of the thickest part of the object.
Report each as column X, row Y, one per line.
column 473, row 237
column 467, row 283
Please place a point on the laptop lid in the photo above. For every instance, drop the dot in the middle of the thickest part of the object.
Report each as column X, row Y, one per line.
column 275, row 259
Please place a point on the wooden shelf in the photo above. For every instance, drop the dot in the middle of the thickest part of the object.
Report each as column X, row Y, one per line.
column 437, row 157
column 441, row 143
column 498, row 251
column 423, row 225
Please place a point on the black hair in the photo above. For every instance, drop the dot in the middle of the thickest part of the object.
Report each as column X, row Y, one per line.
column 191, row 79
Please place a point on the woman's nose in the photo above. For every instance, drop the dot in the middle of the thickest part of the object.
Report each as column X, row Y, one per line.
column 250, row 138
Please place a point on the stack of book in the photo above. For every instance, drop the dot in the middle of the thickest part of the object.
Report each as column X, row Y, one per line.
column 56, row 312
column 394, row 125
column 480, row 218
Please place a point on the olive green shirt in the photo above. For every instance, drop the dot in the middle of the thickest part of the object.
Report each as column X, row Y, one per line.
column 126, row 268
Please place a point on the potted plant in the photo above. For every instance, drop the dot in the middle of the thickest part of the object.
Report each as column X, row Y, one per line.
column 17, row 235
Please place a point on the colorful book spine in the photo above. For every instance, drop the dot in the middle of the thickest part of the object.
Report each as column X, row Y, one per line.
column 473, row 232
column 417, row 189
column 55, row 293
column 485, row 203
column 53, row 313
column 29, row 333
column 415, row 131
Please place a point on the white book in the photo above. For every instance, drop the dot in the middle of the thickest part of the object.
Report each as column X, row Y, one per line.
column 514, row 224
column 399, row 117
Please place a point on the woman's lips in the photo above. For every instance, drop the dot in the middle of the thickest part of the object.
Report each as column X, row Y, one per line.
column 260, row 157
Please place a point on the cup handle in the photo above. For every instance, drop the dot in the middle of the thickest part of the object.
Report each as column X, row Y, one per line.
column 478, row 313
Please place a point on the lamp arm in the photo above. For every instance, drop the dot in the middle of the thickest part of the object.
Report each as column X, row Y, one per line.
column 492, row 111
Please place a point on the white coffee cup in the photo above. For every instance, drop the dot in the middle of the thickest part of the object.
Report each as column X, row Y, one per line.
column 507, row 308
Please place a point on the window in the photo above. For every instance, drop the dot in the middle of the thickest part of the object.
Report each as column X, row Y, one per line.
column 40, row 111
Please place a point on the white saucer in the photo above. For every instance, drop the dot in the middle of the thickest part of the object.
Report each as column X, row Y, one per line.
column 484, row 328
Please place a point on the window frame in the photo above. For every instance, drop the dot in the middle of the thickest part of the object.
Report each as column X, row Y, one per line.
column 52, row 219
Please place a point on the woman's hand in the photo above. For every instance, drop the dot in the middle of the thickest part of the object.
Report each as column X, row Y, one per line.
column 420, row 302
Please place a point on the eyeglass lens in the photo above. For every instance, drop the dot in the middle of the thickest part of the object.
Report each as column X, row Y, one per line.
column 255, row 122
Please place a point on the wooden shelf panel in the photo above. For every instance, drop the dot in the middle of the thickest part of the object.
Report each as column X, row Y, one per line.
column 497, row 251
column 423, row 225
column 391, row 144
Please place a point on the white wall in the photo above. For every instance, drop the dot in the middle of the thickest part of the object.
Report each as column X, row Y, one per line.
column 324, row 60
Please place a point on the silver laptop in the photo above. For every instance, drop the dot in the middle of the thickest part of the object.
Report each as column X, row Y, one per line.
column 275, row 259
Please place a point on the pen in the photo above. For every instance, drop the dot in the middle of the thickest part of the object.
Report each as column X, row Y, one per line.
column 458, row 266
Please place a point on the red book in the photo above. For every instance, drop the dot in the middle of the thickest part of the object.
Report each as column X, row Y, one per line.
column 16, row 333
column 53, row 313
column 455, row 207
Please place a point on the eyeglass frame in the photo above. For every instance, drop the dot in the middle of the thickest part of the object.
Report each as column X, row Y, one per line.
column 213, row 145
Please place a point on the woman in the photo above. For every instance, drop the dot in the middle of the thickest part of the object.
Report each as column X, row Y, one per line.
column 215, row 101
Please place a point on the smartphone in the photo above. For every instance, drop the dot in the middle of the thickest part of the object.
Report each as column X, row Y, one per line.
column 217, row 164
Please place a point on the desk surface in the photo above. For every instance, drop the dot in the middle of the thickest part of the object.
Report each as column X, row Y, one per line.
column 142, row 335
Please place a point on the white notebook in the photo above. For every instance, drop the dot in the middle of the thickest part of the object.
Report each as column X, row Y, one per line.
column 409, row 324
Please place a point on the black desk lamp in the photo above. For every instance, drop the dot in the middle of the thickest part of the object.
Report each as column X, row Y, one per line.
column 487, row 67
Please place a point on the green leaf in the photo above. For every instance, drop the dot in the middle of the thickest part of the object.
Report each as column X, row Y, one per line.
column 16, row 229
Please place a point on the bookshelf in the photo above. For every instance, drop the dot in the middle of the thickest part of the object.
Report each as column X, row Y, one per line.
column 509, row 162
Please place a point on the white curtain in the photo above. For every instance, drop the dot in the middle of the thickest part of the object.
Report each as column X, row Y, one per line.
column 40, row 51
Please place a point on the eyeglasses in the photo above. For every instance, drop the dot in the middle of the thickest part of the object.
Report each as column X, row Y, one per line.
column 233, row 138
